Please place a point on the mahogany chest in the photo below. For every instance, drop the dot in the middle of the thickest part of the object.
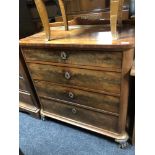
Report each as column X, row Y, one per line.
column 81, row 76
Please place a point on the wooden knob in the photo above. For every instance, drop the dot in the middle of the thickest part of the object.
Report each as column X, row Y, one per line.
column 21, row 77
column 74, row 111
column 71, row 95
column 67, row 75
column 63, row 55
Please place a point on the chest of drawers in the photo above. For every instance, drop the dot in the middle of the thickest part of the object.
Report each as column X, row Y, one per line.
column 27, row 99
column 81, row 77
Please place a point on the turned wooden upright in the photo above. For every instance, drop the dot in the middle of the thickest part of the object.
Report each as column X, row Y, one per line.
column 115, row 15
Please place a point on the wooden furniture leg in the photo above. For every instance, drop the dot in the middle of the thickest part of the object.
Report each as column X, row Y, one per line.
column 44, row 17
column 114, row 5
column 63, row 11
column 121, row 2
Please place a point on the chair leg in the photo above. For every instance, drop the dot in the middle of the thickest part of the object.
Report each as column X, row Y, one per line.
column 121, row 2
column 63, row 11
column 44, row 17
column 114, row 5
column 113, row 25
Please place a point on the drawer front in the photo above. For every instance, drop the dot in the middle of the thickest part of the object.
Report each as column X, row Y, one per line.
column 76, row 96
column 23, row 81
column 96, row 119
column 26, row 98
column 23, row 85
column 100, row 80
column 90, row 58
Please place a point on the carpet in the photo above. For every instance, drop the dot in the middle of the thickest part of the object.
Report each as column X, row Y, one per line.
column 50, row 137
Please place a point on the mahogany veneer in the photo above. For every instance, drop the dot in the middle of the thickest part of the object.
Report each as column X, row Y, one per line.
column 81, row 76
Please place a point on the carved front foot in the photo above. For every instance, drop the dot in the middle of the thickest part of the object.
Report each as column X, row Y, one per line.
column 122, row 140
column 123, row 145
column 42, row 117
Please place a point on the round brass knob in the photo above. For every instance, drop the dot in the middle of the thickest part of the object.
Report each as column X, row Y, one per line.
column 74, row 111
column 71, row 95
column 63, row 55
column 67, row 75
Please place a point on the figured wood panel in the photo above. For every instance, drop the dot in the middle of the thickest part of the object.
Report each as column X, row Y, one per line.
column 100, row 80
column 76, row 96
column 23, row 85
column 26, row 104
column 83, row 37
column 91, row 58
column 72, row 6
column 26, row 98
column 91, row 5
column 98, row 15
column 78, row 6
column 82, row 115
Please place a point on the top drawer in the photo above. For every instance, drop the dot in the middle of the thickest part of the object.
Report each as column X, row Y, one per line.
column 90, row 58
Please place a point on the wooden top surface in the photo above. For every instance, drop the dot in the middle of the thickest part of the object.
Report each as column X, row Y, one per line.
column 82, row 37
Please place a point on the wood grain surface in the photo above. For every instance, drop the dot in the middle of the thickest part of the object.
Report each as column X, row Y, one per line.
column 97, row 17
column 81, row 76
column 26, row 98
column 106, row 81
column 80, row 114
column 89, row 99
column 83, row 37
column 126, row 67
column 77, row 57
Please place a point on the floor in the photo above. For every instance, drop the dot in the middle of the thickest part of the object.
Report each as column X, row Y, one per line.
column 49, row 137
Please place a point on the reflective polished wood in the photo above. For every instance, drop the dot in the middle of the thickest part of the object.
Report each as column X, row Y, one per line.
column 95, row 36
column 81, row 76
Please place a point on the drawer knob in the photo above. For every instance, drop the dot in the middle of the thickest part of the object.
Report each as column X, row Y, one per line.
column 20, row 77
column 67, row 75
column 71, row 95
column 63, row 55
column 74, row 111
